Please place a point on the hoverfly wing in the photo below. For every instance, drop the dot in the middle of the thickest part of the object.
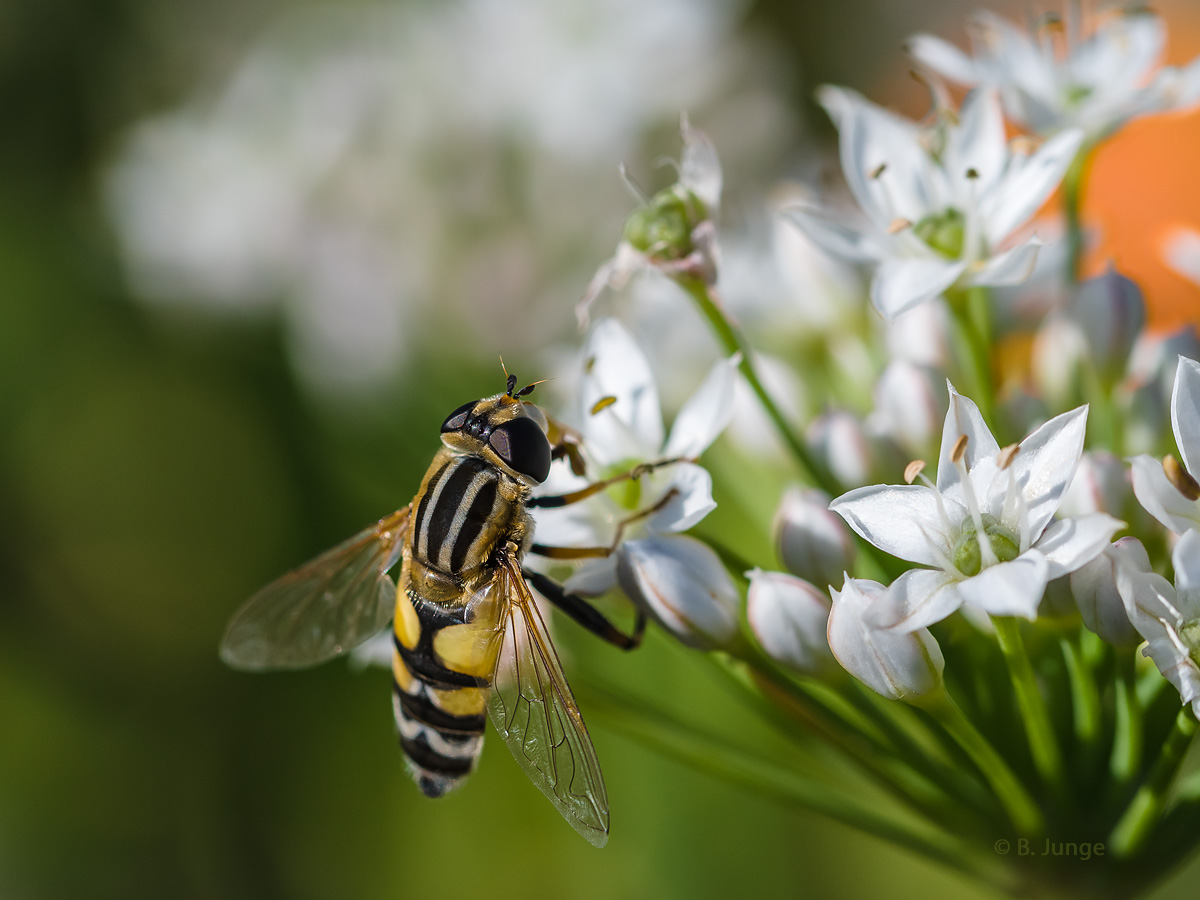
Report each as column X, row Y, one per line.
column 325, row 608
column 532, row 707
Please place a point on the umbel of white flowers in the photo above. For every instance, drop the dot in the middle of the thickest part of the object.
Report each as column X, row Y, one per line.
column 939, row 203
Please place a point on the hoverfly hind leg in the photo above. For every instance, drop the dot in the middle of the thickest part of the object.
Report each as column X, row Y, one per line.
column 585, row 614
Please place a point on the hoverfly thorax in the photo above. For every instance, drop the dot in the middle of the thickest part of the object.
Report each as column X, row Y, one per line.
column 506, row 432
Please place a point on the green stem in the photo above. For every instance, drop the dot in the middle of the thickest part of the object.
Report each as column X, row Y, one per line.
column 1126, row 758
column 970, row 310
column 1038, row 728
column 1142, row 814
column 1021, row 808
column 1085, row 706
column 714, row 757
column 733, row 341
column 1073, row 186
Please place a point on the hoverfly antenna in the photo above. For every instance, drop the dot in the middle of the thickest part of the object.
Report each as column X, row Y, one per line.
column 511, row 380
column 528, row 389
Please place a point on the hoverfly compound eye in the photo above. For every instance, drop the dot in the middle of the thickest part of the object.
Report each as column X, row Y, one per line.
column 522, row 444
column 458, row 418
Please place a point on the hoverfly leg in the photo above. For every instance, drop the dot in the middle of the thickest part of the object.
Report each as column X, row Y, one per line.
column 554, row 501
column 585, row 614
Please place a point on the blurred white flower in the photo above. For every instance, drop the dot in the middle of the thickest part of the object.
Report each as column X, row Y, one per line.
column 1166, row 491
column 1009, row 496
column 677, row 579
column 789, row 617
column 1181, row 251
column 371, row 172
column 909, row 406
column 1169, row 617
column 899, row 665
column 939, row 202
column 812, row 542
column 1093, row 74
column 1101, row 484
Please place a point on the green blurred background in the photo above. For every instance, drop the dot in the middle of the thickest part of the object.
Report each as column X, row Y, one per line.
column 162, row 459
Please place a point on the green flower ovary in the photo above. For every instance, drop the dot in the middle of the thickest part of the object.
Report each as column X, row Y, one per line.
column 663, row 227
column 967, row 556
column 626, row 493
column 944, row 232
column 1189, row 633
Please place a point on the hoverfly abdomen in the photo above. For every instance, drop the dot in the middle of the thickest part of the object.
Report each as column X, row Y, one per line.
column 441, row 676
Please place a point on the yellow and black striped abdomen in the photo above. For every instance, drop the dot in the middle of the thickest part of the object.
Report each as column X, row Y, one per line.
column 442, row 667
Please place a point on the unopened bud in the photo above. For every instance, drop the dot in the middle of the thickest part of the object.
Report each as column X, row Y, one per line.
column 1094, row 585
column 1111, row 314
column 681, row 583
column 789, row 616
column 1101, row 484
column 898, row 665
column 813, row 542
column 910, row 406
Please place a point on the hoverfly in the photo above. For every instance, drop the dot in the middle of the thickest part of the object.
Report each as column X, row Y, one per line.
column 467, row 635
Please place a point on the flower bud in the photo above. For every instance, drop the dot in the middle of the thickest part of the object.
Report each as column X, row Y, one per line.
column 1095, row 588
column 910, row 405
column 1101, row 484
column 1059, row 352
column 1110, row 313
column 842, row 442
column 898, row 665
column 812, row 542
column 681, row 583
column 789, row 617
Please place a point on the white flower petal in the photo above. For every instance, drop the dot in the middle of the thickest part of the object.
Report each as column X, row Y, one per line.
column 900, row 284
column 836, row 237
column 1186, row 559
column 978, row 144
column 964, row 418
column 892, row 663
column 944, row 58
column 1185, row 412
column 902, row 520
column 1160, row 498
column 699, row 168
column 1008, row 268
column 1069, row 543
column 706, row 413
column 594, row 577
column 1019, row 196
column 920, row 597
column 691, row 501
column 1012, row 588
column 1046, row 463
column 789, row 616
column 869, row 137
column 681, row 583
column 616, row 367
column 1094, row 587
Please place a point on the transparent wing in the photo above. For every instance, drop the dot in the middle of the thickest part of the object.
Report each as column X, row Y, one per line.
column 324, row 608
column 532, row 708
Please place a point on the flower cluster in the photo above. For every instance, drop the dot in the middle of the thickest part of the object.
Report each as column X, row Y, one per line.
column 1006, row 594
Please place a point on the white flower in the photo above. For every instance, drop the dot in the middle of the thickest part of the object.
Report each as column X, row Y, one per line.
column 1091, row 78
column 676, row 578
column 1169, row 617
column 812, row 542
column 1010, row 496
column 939, row 202
column 899, row 665
column 1094, row 587
column 1169, row 493
column 790, row 617
column 673, row 232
